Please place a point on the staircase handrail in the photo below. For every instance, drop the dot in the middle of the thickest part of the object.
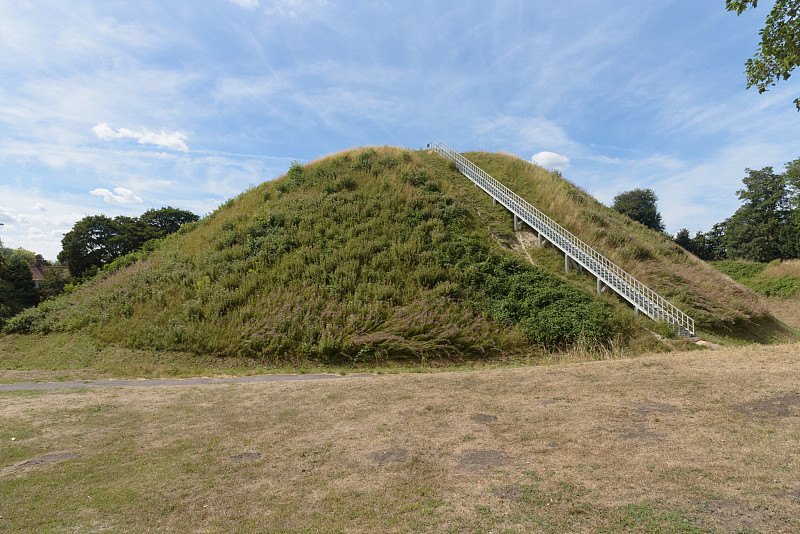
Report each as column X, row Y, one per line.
column 651, row 303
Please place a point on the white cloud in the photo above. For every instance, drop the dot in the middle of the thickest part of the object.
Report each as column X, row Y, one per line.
column 551, row 160
column 174, row 140
column 247, row 4
column 121, row 195
column 238, row 88
column 39, row 228
column 292, row 8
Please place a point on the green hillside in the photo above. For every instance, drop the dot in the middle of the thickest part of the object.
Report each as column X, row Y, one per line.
column 386, row 253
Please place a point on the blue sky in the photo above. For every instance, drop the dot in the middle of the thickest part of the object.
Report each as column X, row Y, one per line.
column 116, row 107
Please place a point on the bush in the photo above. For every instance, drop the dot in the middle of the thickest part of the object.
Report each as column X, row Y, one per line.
column 551, row 313
column 295, row 178
column 783, row 287
column 29, row 321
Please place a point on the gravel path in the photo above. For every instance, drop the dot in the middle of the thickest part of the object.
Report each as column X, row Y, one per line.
column 33, row 386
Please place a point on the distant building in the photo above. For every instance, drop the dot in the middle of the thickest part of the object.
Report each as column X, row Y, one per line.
column 39, row 269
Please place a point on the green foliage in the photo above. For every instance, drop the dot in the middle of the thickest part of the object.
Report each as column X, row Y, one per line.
column 710, row 246
column 783, row 287
column 26, row 255
column 90, row 243
column 365, row 160
column 767, row 225
column 167, row 220
column 683, row 239
column 52, row 285
column 551, row 312
column 779, row 51
column 375, row 254
column 17, row 290
column 96, row 240
column 740, row 270
column 757, row 231
column 295, row 178
column 415, row 177
column 689, row 284
column 752, row 275
column 640, row 205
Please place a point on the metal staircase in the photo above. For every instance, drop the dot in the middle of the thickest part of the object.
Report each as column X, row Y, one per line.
column 608, row 274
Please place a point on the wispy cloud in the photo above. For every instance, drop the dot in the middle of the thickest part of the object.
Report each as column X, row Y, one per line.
column 526, row 134
column 292, row 8
column 247, row 4
column 174, row 140
column 33, row 223
column 121, row 195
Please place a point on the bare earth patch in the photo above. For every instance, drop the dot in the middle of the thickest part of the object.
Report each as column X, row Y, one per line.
column 388, row 456
column 508, row 493
column 779, row 406
column 481, row 459
column 246, row 457
column 53, row 458
column 734, row 517
column 483, row 418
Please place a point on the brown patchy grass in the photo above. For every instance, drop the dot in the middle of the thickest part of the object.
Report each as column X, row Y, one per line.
column 787, row 310
column 701, row 441
column 783, row 268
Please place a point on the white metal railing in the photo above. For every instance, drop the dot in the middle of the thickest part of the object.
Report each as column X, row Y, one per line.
column 642, row 297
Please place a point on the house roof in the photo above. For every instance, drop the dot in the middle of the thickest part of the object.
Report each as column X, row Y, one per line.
column 38, row 271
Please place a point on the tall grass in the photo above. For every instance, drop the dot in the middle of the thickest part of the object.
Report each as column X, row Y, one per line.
column 382, row 253
column 365, row 255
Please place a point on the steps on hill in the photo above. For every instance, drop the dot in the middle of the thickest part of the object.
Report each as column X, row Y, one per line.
column 607, row 273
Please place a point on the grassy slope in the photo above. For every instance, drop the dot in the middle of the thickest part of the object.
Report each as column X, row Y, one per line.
column 712, row 299
column 779, row 280
column 386, row 253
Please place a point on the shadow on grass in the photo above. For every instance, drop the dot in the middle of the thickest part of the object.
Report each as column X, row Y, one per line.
column 764, row 330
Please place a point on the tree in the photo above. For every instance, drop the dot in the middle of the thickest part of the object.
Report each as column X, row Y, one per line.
column 17, row 290
column 682, row 239
column 168, row 220
column 87, row 244
column 710, row 246
column 758, row 229
column 53, row 284
column 131, row 234
column 779, row 51
column 97, row 240
column 640, row 205
column 792, row 241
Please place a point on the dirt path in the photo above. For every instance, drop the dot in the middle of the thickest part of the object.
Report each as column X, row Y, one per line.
column 75, row 384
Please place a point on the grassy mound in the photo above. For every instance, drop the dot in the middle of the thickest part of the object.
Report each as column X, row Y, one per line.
column 384, row 253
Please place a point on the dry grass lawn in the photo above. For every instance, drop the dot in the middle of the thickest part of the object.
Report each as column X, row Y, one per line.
column 703, row 441
column 787, row 311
